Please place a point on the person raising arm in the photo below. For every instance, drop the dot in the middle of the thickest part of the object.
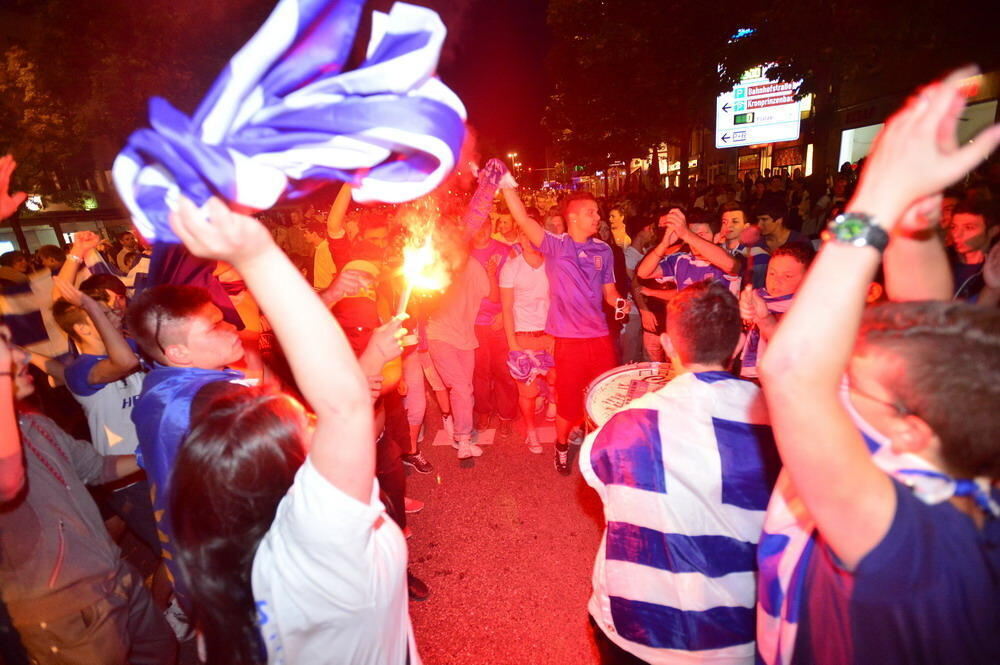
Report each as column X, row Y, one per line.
column 330, row 526
column 816, row 438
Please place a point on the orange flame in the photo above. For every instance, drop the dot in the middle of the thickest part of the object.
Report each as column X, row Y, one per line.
column 423, row 267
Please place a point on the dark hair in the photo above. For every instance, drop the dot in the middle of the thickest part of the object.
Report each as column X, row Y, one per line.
column 96, row 284
column 53, row 252
column 571, row 199
column 955, row 394
column 233, row 469
column 772, row 208
column 156, row 309
column 8, row 259
column 984, row 209
column 699, row 216
column 800, row 251
column 703, row 322
column 735, row 206
column 67, row 315
column 122, row 234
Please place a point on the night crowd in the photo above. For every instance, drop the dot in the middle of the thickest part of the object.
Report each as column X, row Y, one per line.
column 814, row 484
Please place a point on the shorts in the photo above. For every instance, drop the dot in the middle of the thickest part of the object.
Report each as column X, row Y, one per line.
column 578, row 362
column 531, row 341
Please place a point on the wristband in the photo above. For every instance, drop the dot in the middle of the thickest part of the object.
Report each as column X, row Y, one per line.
column 74, row 257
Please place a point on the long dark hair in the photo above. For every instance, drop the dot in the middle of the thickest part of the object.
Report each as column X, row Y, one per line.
column 233, row 469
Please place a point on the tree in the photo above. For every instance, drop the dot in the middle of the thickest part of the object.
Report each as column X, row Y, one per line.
column 833, row 46
column 630, row 75
column 34, row 128
column 98, row 64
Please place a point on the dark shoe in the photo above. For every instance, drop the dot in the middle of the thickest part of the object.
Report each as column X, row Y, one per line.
column 482, row 422
column 417, row 462
column 506, row 427
column 562, row 460
column 418, row 590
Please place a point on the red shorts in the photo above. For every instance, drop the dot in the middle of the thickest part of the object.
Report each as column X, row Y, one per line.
column 578, row 362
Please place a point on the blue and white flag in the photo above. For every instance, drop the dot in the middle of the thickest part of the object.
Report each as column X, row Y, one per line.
column 283, row 118
column 684, row 474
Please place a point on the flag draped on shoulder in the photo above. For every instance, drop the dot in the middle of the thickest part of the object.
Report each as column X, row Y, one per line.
column 284, row 118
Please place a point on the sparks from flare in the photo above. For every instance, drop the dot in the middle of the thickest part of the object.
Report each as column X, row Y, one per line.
column 423, row 269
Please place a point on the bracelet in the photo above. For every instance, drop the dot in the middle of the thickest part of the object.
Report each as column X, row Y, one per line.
column 74, row 257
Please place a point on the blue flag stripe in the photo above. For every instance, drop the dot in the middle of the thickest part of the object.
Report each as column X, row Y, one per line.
column 711, row 556
column 663, row 627
column 748, row 453
column 627, row 451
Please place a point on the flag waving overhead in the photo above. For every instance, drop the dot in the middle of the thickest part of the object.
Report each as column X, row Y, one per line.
column 283, row 118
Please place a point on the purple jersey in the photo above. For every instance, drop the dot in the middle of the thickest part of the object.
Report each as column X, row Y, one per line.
column 577, row 274
column 496, row 252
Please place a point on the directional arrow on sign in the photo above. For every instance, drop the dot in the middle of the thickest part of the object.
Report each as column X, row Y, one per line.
column 725, row 137
column 725, row 107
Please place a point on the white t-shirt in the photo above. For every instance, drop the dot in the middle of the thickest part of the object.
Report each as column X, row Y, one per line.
column 531, row 293
column 329, row 580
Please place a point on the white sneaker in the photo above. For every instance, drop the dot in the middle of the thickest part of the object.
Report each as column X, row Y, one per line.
column 465, row 449
column 533, row 445
column 448, row 422
column 475, row 450
column 576, row 436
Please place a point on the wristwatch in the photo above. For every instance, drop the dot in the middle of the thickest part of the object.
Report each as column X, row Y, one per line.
column 858, row 229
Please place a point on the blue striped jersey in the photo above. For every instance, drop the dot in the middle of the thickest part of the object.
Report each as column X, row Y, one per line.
column 753, row 351
column 685, row 269
column 685, row 474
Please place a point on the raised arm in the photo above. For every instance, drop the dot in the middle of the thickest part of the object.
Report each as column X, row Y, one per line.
column 649, row 267
column 335, row 219
column 121, row 360
column 915, row 263
column 531, row 228
column 343, row 445
column 84, row 242
column 9, row 201
column 717, row 256
column 852, row 501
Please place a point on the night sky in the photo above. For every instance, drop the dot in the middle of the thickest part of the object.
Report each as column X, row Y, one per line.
column 495, row 60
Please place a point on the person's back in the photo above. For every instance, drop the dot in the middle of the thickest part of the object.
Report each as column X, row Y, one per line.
column 685, row 474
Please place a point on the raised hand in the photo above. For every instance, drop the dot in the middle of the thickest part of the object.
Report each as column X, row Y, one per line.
column 348, row 283
column 917, row 153
column 752, row 306
column 386, row 340
column 222, row 235
column 493, row 172
column 9, row 201
column 83, row 242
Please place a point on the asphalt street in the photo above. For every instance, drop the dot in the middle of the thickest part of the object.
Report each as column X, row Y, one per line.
column 507, row 546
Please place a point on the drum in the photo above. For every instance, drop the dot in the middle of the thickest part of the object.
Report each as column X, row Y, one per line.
column 615, row 389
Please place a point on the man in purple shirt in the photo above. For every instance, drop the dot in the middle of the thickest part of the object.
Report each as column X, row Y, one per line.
column 492, row 383
column 581, row 277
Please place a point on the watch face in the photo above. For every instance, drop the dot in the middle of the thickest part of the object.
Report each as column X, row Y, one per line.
column 851, row 228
